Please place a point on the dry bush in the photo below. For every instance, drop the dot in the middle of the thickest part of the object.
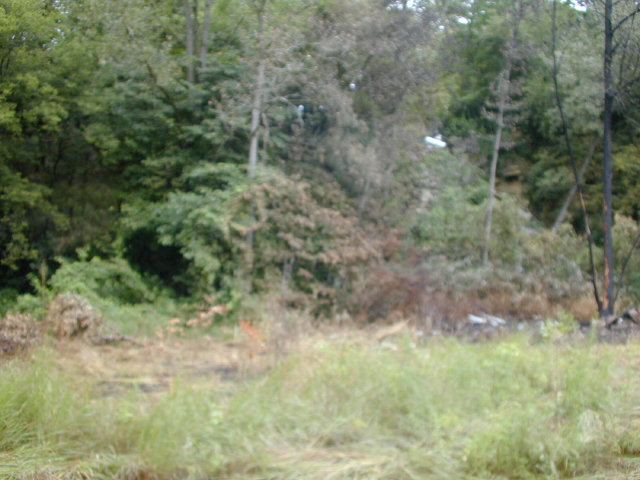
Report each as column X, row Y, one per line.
column 70, row 315
column 448, row 309
column 17, row 333
column 440, row 298
column 389, row 295
column 583, row 308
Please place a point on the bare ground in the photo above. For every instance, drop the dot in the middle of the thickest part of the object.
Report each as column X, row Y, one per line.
column 152, row 365
column 156, row 364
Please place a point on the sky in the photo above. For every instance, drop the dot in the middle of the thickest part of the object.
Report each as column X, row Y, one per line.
column 577, row 5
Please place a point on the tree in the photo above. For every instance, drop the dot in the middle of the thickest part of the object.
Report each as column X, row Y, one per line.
column 371, row 75
column 622, row 54
column 504, row 90
column 577, row 176
column 503, row 107
column 621, row 42
column 35, row 106
column 619, row 71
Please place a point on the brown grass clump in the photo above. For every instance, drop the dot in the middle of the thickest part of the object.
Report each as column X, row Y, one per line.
column 70, row 315
column 390, row 296
column 439, row 300
column 583, row 308
column 17, row 333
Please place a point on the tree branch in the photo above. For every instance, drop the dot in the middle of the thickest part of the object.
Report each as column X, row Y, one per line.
column 565, row 206
column 634, row 245
column 626, row 19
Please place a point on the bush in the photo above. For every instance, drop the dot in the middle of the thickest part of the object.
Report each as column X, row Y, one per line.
column 110, row 279
column 17, row 333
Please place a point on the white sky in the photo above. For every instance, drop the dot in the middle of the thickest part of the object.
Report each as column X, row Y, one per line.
column 576, row 4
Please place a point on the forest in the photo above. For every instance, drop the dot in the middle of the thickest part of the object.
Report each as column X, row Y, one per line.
column 319, row 239
column 163, row 150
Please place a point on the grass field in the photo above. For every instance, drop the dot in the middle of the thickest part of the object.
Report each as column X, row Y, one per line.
column 333, row 410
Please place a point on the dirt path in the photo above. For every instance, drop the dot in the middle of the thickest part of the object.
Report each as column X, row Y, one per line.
column 153, row 366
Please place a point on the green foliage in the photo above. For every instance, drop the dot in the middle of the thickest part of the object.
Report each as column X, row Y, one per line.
column 200, row 221
column 452, row 222
column 210, row 217
column 24, row 212
column 111, row 280
column 127, row 301
column 8, row 297
column 524, row 256
column 104, row 142
column 556, row 329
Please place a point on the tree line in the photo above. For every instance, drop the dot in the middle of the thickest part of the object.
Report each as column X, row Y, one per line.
column 244, row 146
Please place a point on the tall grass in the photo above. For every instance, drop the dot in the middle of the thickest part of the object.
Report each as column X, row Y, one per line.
column 500, row 410
column 448, row 411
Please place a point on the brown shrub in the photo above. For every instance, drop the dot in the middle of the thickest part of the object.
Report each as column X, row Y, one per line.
column 442, row 299
column 70, row 314
column 389, row 295
column 17, row 333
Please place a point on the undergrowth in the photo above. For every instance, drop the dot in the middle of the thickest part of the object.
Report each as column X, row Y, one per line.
column 448, row 410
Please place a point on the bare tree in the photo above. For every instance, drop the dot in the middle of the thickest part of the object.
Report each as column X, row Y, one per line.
column 577, row 176
column 502, row 105
column 504, row 90
column 607, row 161
column 619, row 32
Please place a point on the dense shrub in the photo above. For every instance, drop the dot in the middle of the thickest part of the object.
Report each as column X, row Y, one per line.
column 111, row 279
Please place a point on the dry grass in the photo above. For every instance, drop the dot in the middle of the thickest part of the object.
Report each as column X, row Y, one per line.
column 343, row 404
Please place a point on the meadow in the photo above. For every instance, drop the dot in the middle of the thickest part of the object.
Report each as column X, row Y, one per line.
column 334, row 408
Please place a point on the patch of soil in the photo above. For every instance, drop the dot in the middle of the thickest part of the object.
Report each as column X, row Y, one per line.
column 153, row 366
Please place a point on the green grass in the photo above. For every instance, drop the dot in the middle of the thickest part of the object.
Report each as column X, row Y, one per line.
column 493, row 411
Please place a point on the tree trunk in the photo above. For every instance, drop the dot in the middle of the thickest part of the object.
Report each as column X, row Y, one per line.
column 504, row 103
column 256, row 112
column 258, row 93
column 503, row 92
column 366, row 195
column 255, row 119
column 607, row 162
column 190, row 40
column 567, row 201
column 206, row 27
